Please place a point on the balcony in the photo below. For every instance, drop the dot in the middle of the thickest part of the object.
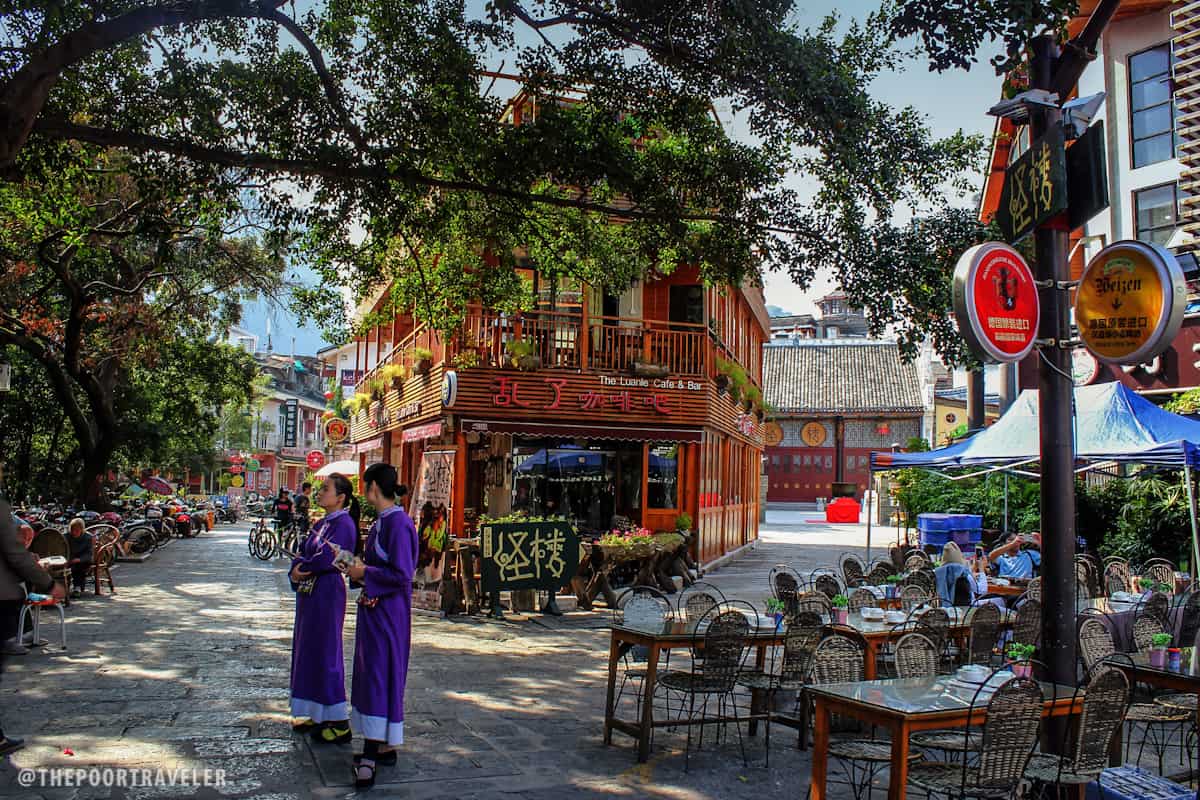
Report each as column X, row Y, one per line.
column 567, row 341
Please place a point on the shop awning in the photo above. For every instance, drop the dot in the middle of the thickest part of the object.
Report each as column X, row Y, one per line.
column 641, row 433
column 422, row 432
column 369, row 445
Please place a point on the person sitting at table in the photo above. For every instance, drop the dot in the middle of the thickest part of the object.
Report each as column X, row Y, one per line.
column 80, row 560
column 957, row 584
column 1020, row 557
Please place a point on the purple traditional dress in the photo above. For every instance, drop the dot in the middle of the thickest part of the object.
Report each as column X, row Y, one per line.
column 381, row 642
column 318, row 669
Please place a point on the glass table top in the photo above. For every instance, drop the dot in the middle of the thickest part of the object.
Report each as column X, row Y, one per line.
column 911, row 696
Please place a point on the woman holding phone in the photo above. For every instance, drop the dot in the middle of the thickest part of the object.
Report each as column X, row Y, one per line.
column 384, row 627
column 318, row 668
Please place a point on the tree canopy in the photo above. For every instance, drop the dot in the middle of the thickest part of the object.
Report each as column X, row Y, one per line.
column 369, row 133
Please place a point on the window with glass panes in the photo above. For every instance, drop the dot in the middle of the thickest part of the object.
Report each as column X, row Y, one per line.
column 1151, row 106
column 1155, row 210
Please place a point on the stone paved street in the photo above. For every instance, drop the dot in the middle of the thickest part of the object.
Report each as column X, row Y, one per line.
column 187, row 667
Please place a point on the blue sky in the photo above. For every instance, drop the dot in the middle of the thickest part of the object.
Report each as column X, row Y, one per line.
column 950, row 101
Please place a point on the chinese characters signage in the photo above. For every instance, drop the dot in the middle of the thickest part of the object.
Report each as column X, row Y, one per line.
column 291, row 411
column 996, row 302
column 533, row 555
column 1130, row 302
column 1035, row 187
column 548, row 394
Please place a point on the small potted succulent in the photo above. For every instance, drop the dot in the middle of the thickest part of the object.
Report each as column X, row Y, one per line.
column 422, row 360
column 1018, row 659
column 1159, row 643
column 841, row 613
column 892, row 590
column 683, row 522
column 775, row 609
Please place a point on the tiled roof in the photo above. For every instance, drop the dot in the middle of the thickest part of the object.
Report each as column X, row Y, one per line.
column 959, row 395
column 839, row 375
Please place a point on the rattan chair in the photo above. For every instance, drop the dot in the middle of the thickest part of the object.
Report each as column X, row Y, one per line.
column 839, row 659
column 723, row 643
column 1007, row 739
column 696, row 601
column 913, row 596
column 1156, row 605
column 827, row 584
column 814, row 602
column 880, row 572
column 934, row 624
column 1116, row 577
column 853, row 570
column 1034, row 590
column 915, row 656
column 916, row 560
column 860, row 599
column 985, row 632
column 785, row 583
column 1189, row 624
column 1160, row 570
column 1085, row 752
column 645, row 609
column 1095, row 642
column 1145, row 628
column 1027, row 627
column 799, row 645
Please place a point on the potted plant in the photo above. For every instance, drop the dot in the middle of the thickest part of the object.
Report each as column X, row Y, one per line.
column 841, row 612
column 396, row 375
column 775, row 609
column 751, row 397
column 1159, row 643
column 523, row 354
column 422, row 358
column 722, row 379
column 1146, row 585
column 683, row 522
column 893, row 586
column 466, row 359
column 1018, row 659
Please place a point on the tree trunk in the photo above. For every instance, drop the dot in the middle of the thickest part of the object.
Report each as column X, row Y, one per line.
column 95, row 464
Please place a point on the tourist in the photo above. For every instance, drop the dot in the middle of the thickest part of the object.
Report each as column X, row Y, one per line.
column 303, row 502
column 1020, row 557
column 384, row 625
column 79, row 544
column 318, row 669
column 283, row 508
column 17, row 565
column 958, row 584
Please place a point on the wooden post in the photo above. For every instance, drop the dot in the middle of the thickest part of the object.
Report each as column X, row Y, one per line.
column 585, row 332
column 458, row 494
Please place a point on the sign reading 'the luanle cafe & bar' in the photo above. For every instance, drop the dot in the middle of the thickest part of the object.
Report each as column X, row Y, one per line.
column 996, row 302
column 1130, row 302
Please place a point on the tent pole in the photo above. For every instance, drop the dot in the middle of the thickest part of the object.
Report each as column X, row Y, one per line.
column 1187, row 476
column 1006, row 505
column 870, row 496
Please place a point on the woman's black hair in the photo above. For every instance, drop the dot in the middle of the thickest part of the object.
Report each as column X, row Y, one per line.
column 385, row 479
column 342, row 485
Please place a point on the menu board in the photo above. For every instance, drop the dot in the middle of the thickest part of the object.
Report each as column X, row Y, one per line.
column 434, row 481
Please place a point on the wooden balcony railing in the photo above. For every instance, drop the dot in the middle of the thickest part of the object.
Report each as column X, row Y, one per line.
column 565, row 340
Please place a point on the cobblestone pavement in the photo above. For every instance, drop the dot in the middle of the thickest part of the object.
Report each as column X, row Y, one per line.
column 186, row 667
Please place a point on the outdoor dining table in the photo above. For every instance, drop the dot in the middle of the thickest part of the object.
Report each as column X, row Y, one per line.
column 1119, row 616
column 1137, row 668
column 904, row 706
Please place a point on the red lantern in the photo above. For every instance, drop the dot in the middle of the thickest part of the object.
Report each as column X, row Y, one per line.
column 883, row 429
column 328, row 395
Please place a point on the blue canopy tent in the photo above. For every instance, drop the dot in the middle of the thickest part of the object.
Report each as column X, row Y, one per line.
column 1113, row 424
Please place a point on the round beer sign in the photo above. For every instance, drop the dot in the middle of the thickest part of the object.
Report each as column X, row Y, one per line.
column 336, row 430
column 1130, row 302
column 996, row 302
column 236, row 481
column 315, row 459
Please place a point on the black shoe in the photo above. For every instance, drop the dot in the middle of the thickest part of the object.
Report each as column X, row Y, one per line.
column 10, row 745
column 303, row 727
column 364, row 774
column 332, row 734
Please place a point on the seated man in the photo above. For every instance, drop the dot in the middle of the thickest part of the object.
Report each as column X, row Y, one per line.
column 11, row 647
column 1019, row 557
column 80, row 560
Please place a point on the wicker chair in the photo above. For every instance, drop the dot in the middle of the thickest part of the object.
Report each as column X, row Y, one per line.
column 934, row 624
column 853, row 570
column 1116, row 577
column 814, row 602
column 50, row 542
column 912, row 596
column 799, row 645
column 785, row 583
column 1156, row 605
column 1145, row 628
column 827, row 584
column 1027, row 627
column 1095, row 642
column 1007, row 739
column 723, row 642
column 916, row 560
column 880, row 572
column 1085, row 754
column 104, row 553
column 1160, row 570
column 641, row 608
column 862, row 598
column 985, row 632
column 696, row 601
column 1189, row 625
column 839, row 659
column 916, row 656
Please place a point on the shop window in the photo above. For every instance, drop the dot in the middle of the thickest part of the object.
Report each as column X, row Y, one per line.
column 686, row 304
column 1151, row 106
column 808, row 461
column 662, row 480
column 1156, row 213
column 828, row 462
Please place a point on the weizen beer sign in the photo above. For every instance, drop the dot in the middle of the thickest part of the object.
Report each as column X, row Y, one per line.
column 996, row 302
column 1130, row 302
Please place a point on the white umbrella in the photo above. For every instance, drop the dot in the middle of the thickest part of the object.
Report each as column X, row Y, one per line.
column 348, row 468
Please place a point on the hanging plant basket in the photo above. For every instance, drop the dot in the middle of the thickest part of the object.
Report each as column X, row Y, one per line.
column 398, row 385
column 423, row 366
column 648, row 369
column 528, row 363
column 722, row 382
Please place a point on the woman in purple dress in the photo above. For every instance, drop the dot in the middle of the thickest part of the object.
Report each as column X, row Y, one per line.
column 381, row 641
column 318, row 668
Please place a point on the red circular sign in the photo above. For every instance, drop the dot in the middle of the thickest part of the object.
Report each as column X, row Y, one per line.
column 237, row 469
column 996, row 302
column 315, row 459
column 236, row 459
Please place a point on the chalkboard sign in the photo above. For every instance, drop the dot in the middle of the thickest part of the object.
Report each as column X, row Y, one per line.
column 532, row 555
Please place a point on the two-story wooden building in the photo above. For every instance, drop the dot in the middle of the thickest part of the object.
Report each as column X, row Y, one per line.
column 615, row 411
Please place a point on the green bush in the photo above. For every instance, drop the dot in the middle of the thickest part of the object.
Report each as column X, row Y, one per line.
column 922, row 492
column 1154, row 520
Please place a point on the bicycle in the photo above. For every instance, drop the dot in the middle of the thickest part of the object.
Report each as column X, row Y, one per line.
column 267, row 542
